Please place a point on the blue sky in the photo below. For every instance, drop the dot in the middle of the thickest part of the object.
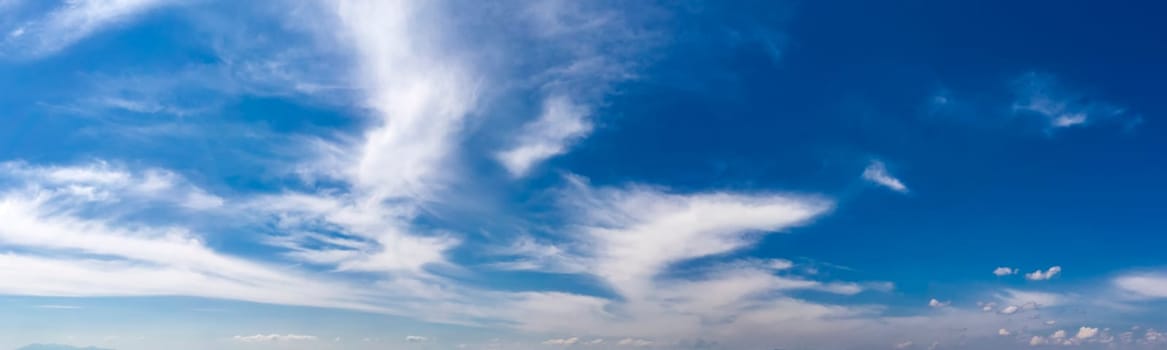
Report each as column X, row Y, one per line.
column 359, row 174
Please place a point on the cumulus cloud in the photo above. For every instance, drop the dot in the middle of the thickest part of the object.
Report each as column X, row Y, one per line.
column 1003, row 332
column 937, row 303
column 267, row 338
column 1009, row 310
column 1086, row 332
column 877, row 173
column 416, row 339
column 1059, row 334
column 1037, row 340
column 1004, row 271
column 1039, row 275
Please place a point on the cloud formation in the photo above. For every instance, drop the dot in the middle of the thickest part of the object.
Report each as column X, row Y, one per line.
column 1039, row 275
column 1004, row 271
column 268, row 338
column 877, row 173
column 69, row 23
column 561, row 123
column 1058, row 107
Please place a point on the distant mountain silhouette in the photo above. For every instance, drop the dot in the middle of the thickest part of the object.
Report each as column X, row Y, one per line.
column 58, row 347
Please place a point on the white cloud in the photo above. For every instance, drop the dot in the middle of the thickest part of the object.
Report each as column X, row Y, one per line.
column 416, row 339
column 420, row 92
column 636, row 233
column 634, row 342
column 596, row 341
column 562, row 341
column 267, row 338
column 1030, row 299
column 1003, row 332
column 1042, row 276
column 877, row 173
column 1086, row 332
column 903, row 345
column 1143, row 284
column 937, row 304
column 53, row 213
column 561, row 123
column 1041, row 95
column 71, row 22
column 1058, row 335
column 101, row 182
column 1037, row 340
column 1004, row 271
column 988, row 307
column 1009, row 310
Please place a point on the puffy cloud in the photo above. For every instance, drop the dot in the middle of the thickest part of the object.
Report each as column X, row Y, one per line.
column 267, row 338
column 1037, row 340
column 563, row 341
column 561, row 123
column 1058, row 335
column 1004, row 271
column 937, row 304
column 904, row 344
column 877, row 173
column 986, row 306
column 1009, row 310
column 1086, row 332
column 416, row 339
column 1042, row 276
column 1003, row 332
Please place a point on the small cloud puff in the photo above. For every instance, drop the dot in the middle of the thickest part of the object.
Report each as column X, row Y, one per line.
column 938, row 304
column 1086, row 332
column 903, row 345
column 1042, row 276
column 416, row 339
column 877, row 173
column 1004, row 271
column 1003, row 332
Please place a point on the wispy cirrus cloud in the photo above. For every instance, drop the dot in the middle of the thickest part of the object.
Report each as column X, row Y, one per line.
column 1043, row 96
column 79, row 236
column 561, row 123
column 69, row 23
column 877, row 173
